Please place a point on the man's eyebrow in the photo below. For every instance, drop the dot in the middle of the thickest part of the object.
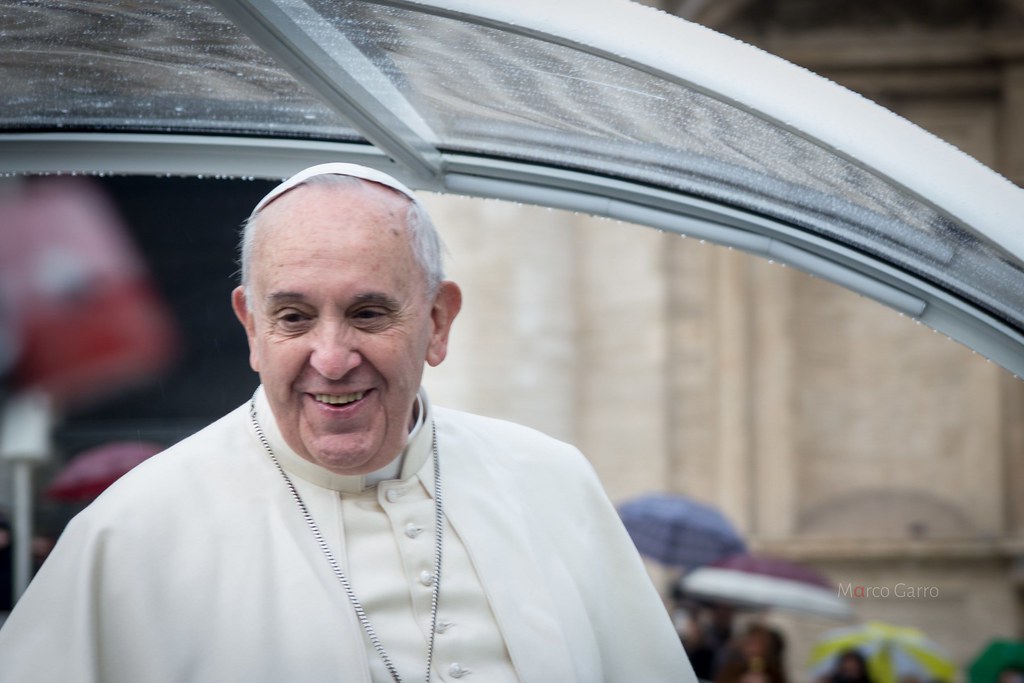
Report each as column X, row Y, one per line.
column 281, row 297
column 378, row 298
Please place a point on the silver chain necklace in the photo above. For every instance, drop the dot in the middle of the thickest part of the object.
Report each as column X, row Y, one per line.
column 371, row 634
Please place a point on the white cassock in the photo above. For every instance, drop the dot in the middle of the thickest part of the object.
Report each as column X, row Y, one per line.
column 198, row 566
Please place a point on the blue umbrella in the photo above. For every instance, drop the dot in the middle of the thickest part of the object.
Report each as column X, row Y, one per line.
column 678, row 531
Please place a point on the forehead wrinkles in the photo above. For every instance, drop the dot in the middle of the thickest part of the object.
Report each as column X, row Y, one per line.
column 287, row 221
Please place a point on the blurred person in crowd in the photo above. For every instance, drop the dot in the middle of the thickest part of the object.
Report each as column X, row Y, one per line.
column 339, row 526
column 851, row 667
column 755, row 656
column 1012, row 674
column 6, row 567
column 705, row 630
column 40, row 549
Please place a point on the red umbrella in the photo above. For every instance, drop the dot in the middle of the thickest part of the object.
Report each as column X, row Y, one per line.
column 774, row 567
column 93, row 470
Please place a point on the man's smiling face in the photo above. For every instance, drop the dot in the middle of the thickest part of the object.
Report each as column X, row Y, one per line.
column 340, row 322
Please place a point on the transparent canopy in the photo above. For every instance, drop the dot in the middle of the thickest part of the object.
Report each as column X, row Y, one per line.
column 598, row 106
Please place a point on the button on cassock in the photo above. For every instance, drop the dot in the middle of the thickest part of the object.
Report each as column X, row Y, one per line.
column 427, row 578
column 412, row 531
column 394, row 494
column 456, row 670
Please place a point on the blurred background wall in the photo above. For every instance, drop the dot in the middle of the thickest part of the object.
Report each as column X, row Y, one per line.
column 831, row 430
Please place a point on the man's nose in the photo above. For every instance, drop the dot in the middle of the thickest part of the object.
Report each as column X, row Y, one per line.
column 334, row 351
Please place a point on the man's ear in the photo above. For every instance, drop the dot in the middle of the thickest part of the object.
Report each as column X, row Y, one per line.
column 447, row 303
column 245, row 316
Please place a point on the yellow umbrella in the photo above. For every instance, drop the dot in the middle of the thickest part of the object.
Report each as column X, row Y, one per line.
column 892, row 653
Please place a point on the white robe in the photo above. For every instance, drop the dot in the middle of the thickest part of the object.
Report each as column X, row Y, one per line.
column 197, row 566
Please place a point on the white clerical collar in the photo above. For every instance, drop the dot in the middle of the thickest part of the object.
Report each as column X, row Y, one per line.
column 393, row 470
column 406, row 465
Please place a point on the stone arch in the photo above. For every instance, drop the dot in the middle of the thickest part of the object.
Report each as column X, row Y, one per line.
column 886, row 514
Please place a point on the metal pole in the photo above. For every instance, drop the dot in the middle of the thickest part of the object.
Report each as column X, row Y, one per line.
column 22, row 527
column 25, row 427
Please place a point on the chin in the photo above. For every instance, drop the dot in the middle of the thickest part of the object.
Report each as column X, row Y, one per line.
column 345, row 460
column 346, row 464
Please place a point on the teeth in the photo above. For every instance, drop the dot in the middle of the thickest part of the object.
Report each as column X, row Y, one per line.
column 341, row 399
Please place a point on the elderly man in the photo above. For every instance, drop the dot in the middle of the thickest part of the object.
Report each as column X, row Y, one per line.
column 338, row 527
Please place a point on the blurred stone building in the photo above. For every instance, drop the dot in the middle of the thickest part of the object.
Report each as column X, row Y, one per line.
column 831, row 430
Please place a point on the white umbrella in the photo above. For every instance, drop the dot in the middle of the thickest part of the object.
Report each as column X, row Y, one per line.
column 747, row 581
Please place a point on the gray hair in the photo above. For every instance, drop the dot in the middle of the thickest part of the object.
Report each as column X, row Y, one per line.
column 426, row 243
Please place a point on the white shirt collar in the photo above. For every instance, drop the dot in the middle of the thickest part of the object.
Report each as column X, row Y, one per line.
column 393, row 469
column 412, row 458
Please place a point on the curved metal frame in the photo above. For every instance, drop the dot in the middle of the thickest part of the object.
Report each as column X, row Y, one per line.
column 406, row 148
column 502, row 179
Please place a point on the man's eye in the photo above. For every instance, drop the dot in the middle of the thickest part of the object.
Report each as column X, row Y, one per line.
column 291, row 320
column 371, row 319
column 368, row 314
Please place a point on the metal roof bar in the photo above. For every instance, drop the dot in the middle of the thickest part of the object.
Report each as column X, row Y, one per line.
column 154, row 154
column 179, row 154
column 342, row 76
column 909, row 295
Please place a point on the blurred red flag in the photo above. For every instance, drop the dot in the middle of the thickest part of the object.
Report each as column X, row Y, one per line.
column 84, row 317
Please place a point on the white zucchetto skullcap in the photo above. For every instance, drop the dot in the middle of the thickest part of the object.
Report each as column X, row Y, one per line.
column 336, row 168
